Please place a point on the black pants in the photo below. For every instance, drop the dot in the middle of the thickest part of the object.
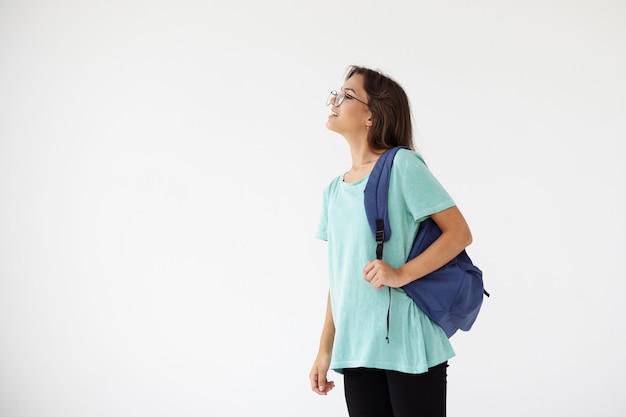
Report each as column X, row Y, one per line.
column 380, row 393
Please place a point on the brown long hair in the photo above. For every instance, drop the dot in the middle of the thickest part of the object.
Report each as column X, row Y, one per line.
column 391, row 112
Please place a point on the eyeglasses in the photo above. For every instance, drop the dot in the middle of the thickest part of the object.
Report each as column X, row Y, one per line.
column 339, row 97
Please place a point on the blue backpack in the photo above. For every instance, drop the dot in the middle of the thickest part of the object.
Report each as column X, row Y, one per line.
column 453, row 294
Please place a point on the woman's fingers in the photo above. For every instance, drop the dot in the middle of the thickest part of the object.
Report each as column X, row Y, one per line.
column 319, row 383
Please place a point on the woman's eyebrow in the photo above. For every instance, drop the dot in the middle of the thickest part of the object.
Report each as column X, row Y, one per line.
column 348, row 88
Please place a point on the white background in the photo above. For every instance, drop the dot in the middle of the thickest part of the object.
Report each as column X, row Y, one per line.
column 161, row 171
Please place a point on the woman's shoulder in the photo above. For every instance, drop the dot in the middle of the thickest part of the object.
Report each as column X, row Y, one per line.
column 407, row 158
column 333, row 184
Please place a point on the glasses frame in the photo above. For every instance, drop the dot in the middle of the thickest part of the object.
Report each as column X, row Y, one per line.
column 340, row 97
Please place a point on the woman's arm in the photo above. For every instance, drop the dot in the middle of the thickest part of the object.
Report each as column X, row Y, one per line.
column 455, row 236
column 319, row 372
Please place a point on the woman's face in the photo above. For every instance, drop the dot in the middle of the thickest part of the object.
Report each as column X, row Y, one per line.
column 352, row 117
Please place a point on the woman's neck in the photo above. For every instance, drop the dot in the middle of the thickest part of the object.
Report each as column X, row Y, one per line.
column 363, row 160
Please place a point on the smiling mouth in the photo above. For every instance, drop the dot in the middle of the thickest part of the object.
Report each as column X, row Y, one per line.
column 334, row 113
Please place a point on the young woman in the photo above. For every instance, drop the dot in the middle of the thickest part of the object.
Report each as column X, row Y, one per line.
column 394, row 367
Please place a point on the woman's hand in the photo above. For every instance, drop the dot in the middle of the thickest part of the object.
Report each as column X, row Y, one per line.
column 380, row 274
column 318, row 374
column 455, row 236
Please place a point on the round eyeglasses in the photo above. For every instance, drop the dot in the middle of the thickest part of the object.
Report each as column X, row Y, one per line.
column 339, row 97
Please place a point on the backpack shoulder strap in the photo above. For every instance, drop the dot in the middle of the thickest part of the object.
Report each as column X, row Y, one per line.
column 375, row 197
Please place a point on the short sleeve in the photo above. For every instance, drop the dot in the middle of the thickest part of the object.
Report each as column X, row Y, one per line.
column 322, row 227
column 413, row 183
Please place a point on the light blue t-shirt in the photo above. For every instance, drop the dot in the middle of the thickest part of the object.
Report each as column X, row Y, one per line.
column 359, row 311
